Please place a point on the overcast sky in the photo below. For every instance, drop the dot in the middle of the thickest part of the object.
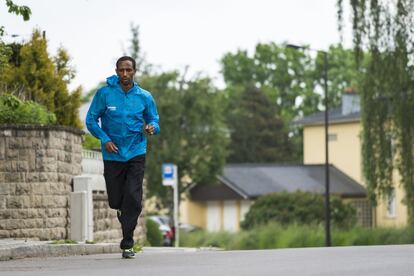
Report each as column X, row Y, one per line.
column 173, row 34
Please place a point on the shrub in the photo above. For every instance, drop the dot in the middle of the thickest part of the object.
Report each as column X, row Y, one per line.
column 301, row 208
column 294, row 235
column 16, row 111
column 154, row 235
column 90, row 142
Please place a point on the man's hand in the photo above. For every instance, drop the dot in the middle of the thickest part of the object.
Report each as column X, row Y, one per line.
column 111, row 148
column 149, row 129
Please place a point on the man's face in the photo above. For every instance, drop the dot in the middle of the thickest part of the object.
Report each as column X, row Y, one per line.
column 125, row 72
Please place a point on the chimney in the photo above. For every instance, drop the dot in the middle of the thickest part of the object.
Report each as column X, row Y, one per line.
column 350, row 101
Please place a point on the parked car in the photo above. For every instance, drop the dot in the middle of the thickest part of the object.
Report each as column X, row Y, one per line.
column 186, row 227
column 167, row 232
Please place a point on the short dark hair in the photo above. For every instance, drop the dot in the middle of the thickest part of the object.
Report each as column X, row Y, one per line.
column 124, row 58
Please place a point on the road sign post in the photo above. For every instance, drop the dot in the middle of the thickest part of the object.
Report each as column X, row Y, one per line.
column 170, row 178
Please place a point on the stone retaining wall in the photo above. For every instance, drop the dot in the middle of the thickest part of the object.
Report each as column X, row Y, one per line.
column 37, row 164
column 106, row 226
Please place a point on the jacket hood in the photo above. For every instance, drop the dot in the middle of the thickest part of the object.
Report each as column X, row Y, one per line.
column 112, row 80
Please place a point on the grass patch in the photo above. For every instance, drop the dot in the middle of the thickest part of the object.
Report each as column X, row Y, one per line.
column 290, row 236
column 64, row 242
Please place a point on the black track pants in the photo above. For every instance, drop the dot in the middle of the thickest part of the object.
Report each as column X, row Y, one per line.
column 124, row 188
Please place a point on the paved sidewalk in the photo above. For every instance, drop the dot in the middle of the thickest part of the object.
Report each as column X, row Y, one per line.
column 18, row 249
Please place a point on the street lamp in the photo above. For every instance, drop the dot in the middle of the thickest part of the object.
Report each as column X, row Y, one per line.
column 327, row 181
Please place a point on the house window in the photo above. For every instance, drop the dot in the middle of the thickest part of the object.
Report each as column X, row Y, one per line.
column 332, row 137
column 391, row 204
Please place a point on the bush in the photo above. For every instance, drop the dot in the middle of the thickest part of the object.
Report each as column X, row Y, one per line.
column 301, row 208
column 91, row 143
column 16, row 111
column 154, row 235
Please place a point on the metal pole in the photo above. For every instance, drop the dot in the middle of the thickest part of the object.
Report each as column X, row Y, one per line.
column 327, row 182
column 176, row 232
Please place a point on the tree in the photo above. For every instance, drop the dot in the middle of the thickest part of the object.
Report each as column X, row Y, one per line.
column 384, row 29
column 5, row 51
column 298, row 207
column 291, row 78
column 256, row 133
column 293, row 82
column 44, row 80
column 193, row 134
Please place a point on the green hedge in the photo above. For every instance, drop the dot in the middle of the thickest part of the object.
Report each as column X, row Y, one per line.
column 16, row 111
column 299, row 207
column 289, row 236
column 154, row 235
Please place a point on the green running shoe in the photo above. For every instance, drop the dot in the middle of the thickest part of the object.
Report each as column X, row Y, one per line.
column 128, row 253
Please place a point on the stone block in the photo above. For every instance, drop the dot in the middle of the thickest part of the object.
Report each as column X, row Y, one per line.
column 14, row 144
column 31, row 159
column 22, row 166
column 41, row 188
column 12, row 153
column 12, row 224
column 5, row 188
column 23, row 188
column 18, row 201
column 14, row 177
column 60, row 155
column 52, row 153
column 37, row 201
column 19, row 213
column 55, row 201
column 48, row 177
column 55, row 233
column 5, row 214
column 2, row 149
column 4, row 234
column 40, row 154
column 3, row 200
column 56, row 222
column 36, row 213
column 6, row 133
column 32, row 176
column 57, row 212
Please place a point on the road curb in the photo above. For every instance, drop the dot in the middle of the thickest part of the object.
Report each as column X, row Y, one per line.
column 56, row 250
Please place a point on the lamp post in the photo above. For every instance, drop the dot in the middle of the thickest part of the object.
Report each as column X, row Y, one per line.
column 327, row 180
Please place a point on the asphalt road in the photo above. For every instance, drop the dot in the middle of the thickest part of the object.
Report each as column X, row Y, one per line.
column 363, row 260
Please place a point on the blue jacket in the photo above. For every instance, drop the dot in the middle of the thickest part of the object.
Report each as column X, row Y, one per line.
column 123, row 117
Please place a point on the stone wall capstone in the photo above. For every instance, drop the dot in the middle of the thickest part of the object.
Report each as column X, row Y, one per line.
column 37, row 164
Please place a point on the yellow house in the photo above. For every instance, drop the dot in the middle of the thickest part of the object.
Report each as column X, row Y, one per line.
column 345, row 153
column 224, row 205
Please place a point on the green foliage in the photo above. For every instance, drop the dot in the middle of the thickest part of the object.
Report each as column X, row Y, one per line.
column 64, row 242
column 385, row 30
column 5, row 50
column 272, row 236
column 302, row 208
column 256, row 133
column 293, row 82
column 15, row 111
column 290, row 77
column 154, row 235
column 192, row 131
column 44, row 80
column 91, row 143
column 23, row 11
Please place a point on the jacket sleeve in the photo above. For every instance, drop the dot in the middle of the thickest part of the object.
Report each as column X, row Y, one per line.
column 151, row 115
column 95, row 112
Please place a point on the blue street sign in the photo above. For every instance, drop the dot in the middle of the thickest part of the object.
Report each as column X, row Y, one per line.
column 169, row 174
